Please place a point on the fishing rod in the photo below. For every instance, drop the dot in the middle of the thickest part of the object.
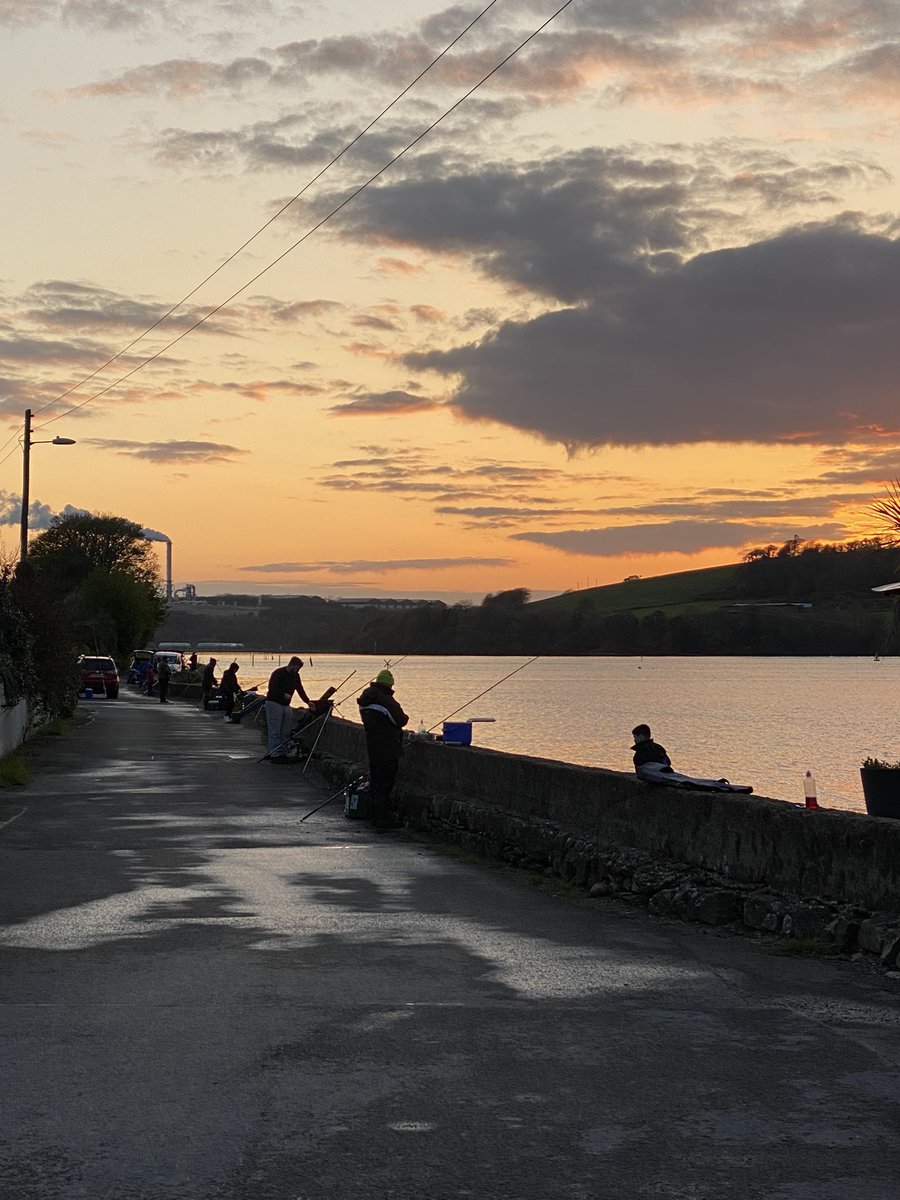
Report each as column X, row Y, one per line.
column 312, row 748
column 324, row 716
column 486, row 690
column 312, row 812
column 388, row 665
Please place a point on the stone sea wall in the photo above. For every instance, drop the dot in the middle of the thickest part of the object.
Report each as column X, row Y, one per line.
column 703, row 856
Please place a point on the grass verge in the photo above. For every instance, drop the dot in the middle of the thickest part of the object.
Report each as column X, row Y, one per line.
column 14, row 771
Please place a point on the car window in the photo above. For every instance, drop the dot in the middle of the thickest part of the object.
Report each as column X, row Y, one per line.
column 97, row 664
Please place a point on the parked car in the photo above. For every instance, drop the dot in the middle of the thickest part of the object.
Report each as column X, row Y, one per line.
column 139, row 660
column 100, row 674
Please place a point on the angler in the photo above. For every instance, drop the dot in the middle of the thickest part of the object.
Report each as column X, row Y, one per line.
column 383, row 720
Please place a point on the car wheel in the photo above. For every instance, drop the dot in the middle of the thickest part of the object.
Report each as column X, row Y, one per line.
column 112, row 693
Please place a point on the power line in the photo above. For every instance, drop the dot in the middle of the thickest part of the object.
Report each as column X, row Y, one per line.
column 313, row 229
column 165, row 316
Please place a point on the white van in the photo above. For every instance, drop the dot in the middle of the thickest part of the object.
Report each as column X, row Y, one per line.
column 172, row 657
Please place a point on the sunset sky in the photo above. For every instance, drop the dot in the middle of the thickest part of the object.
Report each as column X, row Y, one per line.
column 629, row 308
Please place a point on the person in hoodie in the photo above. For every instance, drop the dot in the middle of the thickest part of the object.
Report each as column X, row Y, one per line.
column 383, row 720
column 230, row 689
column 648, row 751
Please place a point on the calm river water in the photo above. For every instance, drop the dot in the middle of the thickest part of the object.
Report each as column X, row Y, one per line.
column 761, row 721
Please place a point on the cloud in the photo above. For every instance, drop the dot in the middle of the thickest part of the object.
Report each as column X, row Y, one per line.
column 848, row 465
column 26, row 13
column 485, row 491
column 380, row 404
column 684, row 52
column 379, row 566
column 576, row 226
column 263, row 390
column 789, row 506
column 792, row 337
column 171, row 451
column 674, row 537
column 179, row 79
column 428, row 313
column 80, row 306
column 110, row 15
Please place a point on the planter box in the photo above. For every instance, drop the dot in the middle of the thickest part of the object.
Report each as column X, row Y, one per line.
column 881, row 788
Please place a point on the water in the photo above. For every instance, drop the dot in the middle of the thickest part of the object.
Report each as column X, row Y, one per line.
column 759, row 721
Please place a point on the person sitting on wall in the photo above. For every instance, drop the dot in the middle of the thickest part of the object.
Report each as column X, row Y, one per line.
column 648, row 751
column 653, row 765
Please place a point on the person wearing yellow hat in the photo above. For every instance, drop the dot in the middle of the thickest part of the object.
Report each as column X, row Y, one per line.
column 383, row 720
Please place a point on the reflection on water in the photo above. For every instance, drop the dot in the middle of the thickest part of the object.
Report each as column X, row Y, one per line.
column 762, row 721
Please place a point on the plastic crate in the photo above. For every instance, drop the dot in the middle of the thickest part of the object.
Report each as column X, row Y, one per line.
column 458, row 733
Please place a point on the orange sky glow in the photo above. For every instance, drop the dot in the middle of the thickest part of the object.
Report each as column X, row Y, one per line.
column 630, row 308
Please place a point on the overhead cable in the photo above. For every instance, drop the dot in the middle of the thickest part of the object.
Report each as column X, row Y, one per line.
column 231, row 257
column 314, row 228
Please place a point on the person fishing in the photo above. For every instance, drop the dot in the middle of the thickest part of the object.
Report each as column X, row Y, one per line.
column 208, row 682
column 230, row 689
column 383, row 720
column 165, row 675
column 283, row 682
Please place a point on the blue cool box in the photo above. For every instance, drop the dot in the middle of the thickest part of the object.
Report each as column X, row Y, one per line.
column 459, row 733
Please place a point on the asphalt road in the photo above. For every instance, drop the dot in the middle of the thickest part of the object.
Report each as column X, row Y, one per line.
column 202, row 998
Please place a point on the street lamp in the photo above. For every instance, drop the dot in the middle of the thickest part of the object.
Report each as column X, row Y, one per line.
column 27, row 443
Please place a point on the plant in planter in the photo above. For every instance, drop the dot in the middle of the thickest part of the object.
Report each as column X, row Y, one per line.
column 881, row 787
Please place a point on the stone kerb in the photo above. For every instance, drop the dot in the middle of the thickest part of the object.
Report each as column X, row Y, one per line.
column 748, row 842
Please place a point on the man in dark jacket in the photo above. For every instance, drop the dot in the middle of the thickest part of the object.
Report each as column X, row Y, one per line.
column 230, row 689
column 165, row 674
column 283, row 682
column 208, row 682
column 383, row 720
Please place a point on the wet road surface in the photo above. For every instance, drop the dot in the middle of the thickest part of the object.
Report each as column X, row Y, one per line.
column 202, row 998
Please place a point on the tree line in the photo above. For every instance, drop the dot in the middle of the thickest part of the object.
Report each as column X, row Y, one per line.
column 88, row 585
column 755, row 617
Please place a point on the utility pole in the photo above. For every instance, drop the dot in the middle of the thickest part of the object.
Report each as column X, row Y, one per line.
column 26, row 471
column 27, row 443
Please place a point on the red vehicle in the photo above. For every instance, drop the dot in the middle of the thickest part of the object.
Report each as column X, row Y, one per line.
column 100, row 674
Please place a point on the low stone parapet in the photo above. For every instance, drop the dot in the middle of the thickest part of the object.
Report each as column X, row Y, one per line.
column 712, row 857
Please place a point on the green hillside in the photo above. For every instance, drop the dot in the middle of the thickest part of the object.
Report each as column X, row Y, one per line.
column 684, row 591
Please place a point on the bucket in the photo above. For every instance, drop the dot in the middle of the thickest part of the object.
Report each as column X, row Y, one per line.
column 458, row 733
column 88, row 693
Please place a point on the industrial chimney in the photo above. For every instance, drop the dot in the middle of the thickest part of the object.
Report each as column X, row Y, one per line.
column 152, row 535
